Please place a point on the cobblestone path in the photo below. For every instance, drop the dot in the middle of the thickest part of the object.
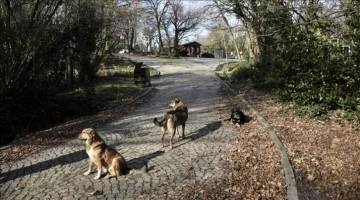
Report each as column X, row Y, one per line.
column 57, row 173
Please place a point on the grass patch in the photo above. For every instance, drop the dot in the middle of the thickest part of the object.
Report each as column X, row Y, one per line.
column 123, row 71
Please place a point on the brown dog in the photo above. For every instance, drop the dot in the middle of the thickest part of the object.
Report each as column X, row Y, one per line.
column 172, row 119
column 103, row 156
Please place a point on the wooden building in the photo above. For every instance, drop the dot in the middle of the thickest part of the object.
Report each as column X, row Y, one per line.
column 193, row 49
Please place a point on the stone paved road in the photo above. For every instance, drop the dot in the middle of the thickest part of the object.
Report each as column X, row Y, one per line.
column 57, row 173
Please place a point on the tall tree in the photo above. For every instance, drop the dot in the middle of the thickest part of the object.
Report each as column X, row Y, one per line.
column 158, row 9
column 182, row 21
column 89, row 44
column 28, row 42
column 222, row 11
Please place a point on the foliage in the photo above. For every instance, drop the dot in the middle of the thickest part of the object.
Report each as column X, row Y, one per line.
column 241, row 71
column 183, row 52
column 207, row 55
column 86, row 32
column 302, row 60
column 29, row 45
column 182, row 21
column 36, row 38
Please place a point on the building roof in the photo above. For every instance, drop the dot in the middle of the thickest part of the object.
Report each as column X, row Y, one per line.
column 191, row 44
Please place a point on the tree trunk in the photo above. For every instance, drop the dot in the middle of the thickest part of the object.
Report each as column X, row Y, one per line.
column 176, row 43
column 161, row 44
column 132, row 40
column 229, row 28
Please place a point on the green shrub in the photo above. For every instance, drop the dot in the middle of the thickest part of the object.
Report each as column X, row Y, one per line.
column 207, row 55
column 183, row 53
column 241, row 72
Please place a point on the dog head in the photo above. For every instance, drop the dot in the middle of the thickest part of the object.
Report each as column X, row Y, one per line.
column 88, row 134
column 138, row 65
column 238, row 117
column 176, row 103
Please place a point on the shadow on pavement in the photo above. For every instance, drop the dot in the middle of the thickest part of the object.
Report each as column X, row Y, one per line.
column 209, row 128
column 138, row 163
column 38, row 167
column 76, row 156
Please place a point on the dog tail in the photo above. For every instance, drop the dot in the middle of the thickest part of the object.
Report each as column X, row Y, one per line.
column 159, row 123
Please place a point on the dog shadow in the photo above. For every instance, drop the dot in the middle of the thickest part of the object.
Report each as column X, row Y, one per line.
column 209, row 128
column 140, row 162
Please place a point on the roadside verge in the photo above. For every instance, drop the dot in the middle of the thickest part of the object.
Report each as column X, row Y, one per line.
column 292, row 193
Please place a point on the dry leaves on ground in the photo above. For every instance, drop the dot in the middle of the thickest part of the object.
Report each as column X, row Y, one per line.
column 324, row 154
column 252, row 166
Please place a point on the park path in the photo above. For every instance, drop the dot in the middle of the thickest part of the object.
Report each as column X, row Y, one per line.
column 57, row 173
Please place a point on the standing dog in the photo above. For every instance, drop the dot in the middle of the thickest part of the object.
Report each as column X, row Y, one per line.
column 177, row 104
column 103, row 156
column 172, row 119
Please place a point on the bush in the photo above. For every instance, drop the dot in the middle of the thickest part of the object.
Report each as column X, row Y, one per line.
column 242, row 71
column 314, row 74
column 183, row 53
column 207, row 55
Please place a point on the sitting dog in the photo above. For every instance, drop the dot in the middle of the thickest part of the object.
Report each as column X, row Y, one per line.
column 237, row 117
column 103, row 156
column 172, row 119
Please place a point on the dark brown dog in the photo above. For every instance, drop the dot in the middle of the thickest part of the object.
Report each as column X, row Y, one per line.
column 172, row 119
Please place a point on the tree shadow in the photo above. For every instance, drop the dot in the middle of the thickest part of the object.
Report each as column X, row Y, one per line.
column 45, row 165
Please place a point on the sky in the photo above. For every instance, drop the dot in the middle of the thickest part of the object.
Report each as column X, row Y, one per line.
column 203, row 30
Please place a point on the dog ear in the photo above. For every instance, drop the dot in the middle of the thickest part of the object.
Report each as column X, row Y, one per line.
column 91, row 134
column 177, row 100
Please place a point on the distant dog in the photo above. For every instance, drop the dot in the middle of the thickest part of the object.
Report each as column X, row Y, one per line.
column 237, row 117
column 172, row 119
column 103, row 156
column 141, row 74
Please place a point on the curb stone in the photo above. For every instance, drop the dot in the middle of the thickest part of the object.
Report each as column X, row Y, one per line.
column 292, row 193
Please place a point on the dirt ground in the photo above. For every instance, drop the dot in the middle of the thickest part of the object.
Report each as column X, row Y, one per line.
column 324, row 154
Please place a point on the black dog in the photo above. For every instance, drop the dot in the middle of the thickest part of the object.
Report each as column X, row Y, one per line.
column 141, row 75
column 238, row 117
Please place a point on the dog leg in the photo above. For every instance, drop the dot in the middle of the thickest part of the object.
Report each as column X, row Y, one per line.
column 183, row 131
column 115, row 168
column 163, row 130
column 104, row 167
column 99, row 169
column 172, row 137
column 111, row 173
column 172, row 129
column 90, row 168
column 177, row 131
